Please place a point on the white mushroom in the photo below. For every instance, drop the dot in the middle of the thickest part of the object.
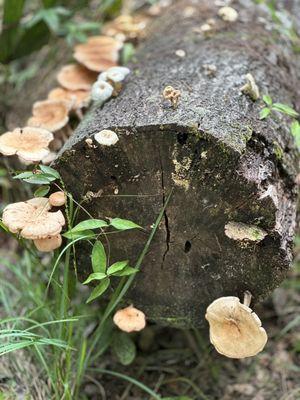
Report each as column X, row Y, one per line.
column 106, row 137
column 228, row 14
column 49, row 243
column 130, row 319
column 101, row 91
column 251, row 88
column 235, row 330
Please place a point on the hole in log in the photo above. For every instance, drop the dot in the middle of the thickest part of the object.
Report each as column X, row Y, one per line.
column 187, row 246
column 182, row 137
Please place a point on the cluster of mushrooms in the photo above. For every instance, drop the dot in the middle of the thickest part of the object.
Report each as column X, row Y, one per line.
column 235, row 330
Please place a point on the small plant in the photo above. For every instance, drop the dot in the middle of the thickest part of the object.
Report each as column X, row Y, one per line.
column 283, row 109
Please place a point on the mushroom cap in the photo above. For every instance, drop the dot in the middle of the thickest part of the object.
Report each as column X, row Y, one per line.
column 50, row 114
column 235, row 330
column 29, row 143
column 32, row 219
column 102, row 91
column 57, row 199
column 130, row 319
column 49, row 243
column 76, row 98
column 49, row 158
column 106, row 137
column 98, row 53
column 228, row 14
column 114, row 74
column 127, row 25
column 76, row 77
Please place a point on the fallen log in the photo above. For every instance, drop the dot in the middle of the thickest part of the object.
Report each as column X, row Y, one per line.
column 231, row 218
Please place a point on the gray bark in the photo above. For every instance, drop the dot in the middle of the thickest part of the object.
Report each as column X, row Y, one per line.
column 222, row 162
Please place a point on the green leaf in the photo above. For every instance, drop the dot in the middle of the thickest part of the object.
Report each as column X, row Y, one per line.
column 285, row 109
column 126, row 271
column 96, row 276
column 89, row 224
column 42, row 191
column 98, row 257
column 23, row 175
column 264, row 113
column 99, row 290
column 39, row 179
column 295, row 128
column 128, row 52
column 267, row 99
column 49, row 171
column 123, row 224
column 76, row 235
column 124, row 348
column 118, row 266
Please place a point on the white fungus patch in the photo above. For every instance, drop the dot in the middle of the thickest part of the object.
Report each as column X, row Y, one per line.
column 228, row 14
column 106, row 137
column 101, row 91
column 251, row 88
column 243, row 232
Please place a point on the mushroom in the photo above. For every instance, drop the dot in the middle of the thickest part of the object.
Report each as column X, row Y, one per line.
column 49, row 243
column 228, row 14
column 31, row 144
column 98, row 53
column 235, row 330
column 57, row 199
column 171, row 94
column 130, row 319
column 32, row 219
column 126, row 27
column 102, row 91
column 49, row 114
column 76, row 77
column 49, row 158
column 106, row 137
column 251, row 88
column 114, row 74
column 76, row 98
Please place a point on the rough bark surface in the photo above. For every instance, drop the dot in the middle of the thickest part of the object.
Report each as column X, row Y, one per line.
column 222, row 162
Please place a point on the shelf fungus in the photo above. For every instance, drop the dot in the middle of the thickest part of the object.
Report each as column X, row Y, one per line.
column 76, row 77
column 130, row 319
column 31, row 219
column 77, row 99
column 29, row 144
column 48, row 244
column 49, row 114
column 235, row 330
column 98, row 53
column 106, row 137
column 243, row 232
column 251, row 88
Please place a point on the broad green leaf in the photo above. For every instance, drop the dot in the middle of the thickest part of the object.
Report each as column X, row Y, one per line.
column 118, row 266
column 264, row 113
column 285, row 109
column 123, row 224
column 124, row 348
column 39, row 179
column 42, row 191
column 98, row 257
column 99, row 289
column 49, row 171
column 89, row 224
column 76, row 235
column 23, row 175
column 126, row 271
column 267, row 99
column 96, row 276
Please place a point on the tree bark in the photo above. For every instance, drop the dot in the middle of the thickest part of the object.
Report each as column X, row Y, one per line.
column 222, row 162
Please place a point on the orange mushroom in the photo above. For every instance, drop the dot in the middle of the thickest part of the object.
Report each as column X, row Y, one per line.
column 49, row 243
column 126, row 27
column 76, row 98
column 50, row 114
column 130, row 319
column 98, row 53
column 30, row 144
column 76, row 77
column 57, row 199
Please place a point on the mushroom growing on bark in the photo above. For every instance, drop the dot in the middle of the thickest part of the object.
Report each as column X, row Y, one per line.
column 32, row 219
column 50, row 114
column 29, row 143
column 98, row 53
column 126, row 27
column 251, row 88
column 106, row 137
column 57, row 199
column 101, row 91
column 235, row 330
column 76, row 98
column 130, row 319
column 76, row 77
column 49, row 243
